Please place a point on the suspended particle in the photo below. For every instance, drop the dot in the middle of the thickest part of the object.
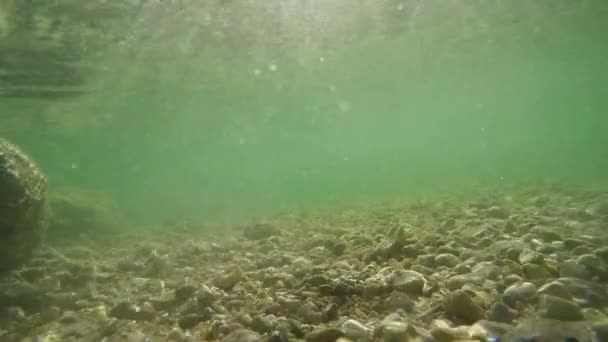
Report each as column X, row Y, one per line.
column 344, row 106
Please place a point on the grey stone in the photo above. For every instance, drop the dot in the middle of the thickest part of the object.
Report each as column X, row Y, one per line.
column 458, row 281
column 483, row 243
column 423, row 269
column 599, row 208
column 242, row 335
column 324, row 335
column 571, row 243
column 459, row 304
column 530, row 256
column 447, row 259
column 448, row 249
column 556, row 289
column 587, row 293
column 486, row 270
column 521, row 292
column 547, row 248
column 185, row 292
column 500, row 312
column 157, row 266
column 408, row 281
column 442, row 331
column 572, row 269
column 261, row 324
column 601, row 330
column 512, row 279
column 69, row 317
column 163, row 301
column 330, row 313
column 542, row 329
column 536, row 271
column 589, row 260
column 399, row 300
column 410, row 251
column 356, row 330
column 427, row 260
column 560, row 309
column 394, row 331
column 497, row 212
column 545, row 233
column 602, row 253
column 176, row 335
column 190, row 320
column 491, row 329
column 128, row 311
column 580, row 250
column 462, row 268
column 14, row 313
column 206, row 296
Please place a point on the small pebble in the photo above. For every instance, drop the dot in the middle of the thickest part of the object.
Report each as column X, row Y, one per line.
column 398, row 332
column 500, row 312
column 447, row 259
column 242, row 335
column 324, row 335
column 261, row 324
column 521, row 292
column 355, row 330
column 459, row 304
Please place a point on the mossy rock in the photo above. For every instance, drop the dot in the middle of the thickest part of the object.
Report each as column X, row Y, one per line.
column 22, row 206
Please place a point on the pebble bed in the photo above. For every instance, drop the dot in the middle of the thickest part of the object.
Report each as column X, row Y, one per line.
column 509, row 265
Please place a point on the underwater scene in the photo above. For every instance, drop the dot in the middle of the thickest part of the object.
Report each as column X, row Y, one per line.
column 304, row 170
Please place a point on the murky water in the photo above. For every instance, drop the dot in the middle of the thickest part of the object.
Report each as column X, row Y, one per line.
column 238, row 106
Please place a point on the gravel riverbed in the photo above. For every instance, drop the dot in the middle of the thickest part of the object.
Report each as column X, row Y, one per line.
column 507, row 264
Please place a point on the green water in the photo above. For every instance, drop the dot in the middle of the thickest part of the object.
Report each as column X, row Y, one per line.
column 350, row 102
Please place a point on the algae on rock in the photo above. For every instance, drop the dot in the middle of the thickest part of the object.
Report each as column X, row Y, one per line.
column 22, row 206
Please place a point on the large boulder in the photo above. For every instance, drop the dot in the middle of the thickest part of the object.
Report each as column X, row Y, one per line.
column 22, row 206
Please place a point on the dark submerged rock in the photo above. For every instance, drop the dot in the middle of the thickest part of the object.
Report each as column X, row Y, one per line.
column 22, row 206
